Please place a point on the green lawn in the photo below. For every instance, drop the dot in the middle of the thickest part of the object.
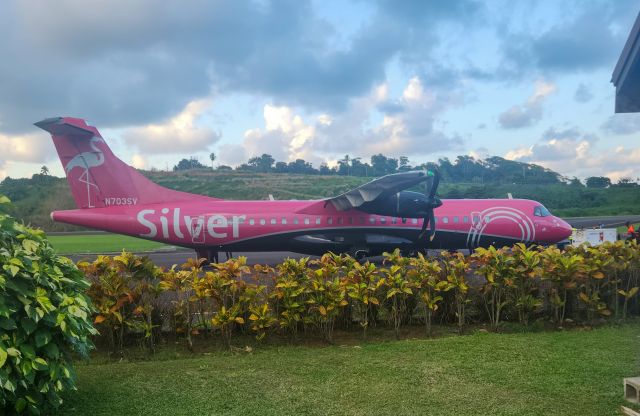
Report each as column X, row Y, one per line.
column 549, row 373
column 101, row 243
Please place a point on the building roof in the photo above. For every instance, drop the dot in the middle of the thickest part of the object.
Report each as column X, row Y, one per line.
column 626, row 75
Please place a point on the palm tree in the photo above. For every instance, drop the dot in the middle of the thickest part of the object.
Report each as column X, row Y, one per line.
column 44, row 170
column 212, row 156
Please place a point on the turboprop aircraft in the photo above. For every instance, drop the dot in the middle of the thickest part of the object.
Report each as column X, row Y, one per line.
column 378, row 216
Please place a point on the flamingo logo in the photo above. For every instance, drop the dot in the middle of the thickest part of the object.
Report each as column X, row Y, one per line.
column 86, row 161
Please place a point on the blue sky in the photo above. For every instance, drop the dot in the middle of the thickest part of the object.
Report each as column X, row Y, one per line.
column 527, row 80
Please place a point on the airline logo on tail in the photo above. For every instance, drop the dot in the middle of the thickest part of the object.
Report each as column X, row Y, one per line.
column 86, row 161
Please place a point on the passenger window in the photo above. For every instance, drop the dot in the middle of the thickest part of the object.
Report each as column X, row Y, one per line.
column 383, row 220
column 296, row 221
column 329, row 220
column 284, row 221
column 251, row 221
column 273, row 221
column 372, row 220
column 487, row 219
column 414, row 220
column 476, row 219
column 318, row 221
column 263, row 221
column 456, row 220
column 350, row 219
column 306, row 221
column 465, row 219
column 445, row 220
column 394, row 220
column 340, row 220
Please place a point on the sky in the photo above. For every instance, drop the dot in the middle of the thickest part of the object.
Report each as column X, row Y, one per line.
column 528, row 80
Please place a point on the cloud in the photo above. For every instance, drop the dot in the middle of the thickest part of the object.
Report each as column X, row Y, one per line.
column 27, row 148
column 139, row 161
column 583, row 94
column 178, row 134
column 622, row 124
column 529, row 113
column 121, row 64
column 408, row 129
column 572, row 152
column 231, row 154
column 588, row 36
column 34, row 148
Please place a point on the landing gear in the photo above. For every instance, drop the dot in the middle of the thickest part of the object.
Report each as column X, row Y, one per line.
column 360, row 254
column 210, row 254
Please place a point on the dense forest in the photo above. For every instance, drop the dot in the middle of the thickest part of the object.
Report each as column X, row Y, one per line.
column 34, row 198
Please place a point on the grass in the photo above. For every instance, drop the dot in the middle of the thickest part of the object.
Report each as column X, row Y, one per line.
column 548, row 373
column 101, row 243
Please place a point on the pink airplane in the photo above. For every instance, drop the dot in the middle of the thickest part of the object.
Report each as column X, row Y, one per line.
column 375, row 217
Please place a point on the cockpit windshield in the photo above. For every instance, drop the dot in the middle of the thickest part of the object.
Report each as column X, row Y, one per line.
column 541, row 211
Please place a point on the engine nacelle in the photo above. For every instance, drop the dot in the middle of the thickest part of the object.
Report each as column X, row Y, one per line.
column 405, row 204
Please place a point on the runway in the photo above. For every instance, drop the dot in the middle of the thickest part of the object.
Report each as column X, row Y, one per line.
column 168, row 258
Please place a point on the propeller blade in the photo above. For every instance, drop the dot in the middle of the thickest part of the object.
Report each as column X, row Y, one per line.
column 432, row 222
column 434, row 184
column 425, row 224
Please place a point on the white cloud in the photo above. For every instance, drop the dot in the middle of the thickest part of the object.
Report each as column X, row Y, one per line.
column 231, row 154
column 573, row 153
column 139, row 161
column 31, row 148
column 529, row 113
column 407, row 128
column 179, row 134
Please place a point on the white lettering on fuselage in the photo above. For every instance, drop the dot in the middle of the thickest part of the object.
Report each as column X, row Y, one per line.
column 109, row 201
column 216, row 226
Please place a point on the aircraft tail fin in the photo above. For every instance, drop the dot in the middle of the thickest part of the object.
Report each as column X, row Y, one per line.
column 96, row 176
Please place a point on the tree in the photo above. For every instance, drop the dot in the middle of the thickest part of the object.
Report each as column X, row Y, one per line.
column 379, row 164
column 575, row 182
column 403, row 164
column 598, row 182
column 281, row 167
column 261, row 164
column 344, row 167
column 301, row 166
column 187, row 164
column 44, row 170
column 626, row 182
column 325, row 169
column 212, row 157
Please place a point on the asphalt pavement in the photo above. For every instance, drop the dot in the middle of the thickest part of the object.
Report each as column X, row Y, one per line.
column 166, row 258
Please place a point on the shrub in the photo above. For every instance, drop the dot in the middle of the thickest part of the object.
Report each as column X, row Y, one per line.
column 45, row 317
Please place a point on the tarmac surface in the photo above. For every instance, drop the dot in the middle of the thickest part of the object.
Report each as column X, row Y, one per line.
column 167, row 258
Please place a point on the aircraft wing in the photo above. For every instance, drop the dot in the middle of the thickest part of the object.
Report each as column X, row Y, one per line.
column 386, row 185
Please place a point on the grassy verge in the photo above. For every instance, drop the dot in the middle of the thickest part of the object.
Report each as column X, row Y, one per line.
column 549, row 373
column 101, row 243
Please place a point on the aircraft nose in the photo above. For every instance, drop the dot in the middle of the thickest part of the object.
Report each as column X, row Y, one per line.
column 562, row 229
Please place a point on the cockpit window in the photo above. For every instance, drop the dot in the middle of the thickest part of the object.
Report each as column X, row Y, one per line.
column 541, row 211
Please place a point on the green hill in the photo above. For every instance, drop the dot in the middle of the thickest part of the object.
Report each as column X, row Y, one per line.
column 35, row 198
